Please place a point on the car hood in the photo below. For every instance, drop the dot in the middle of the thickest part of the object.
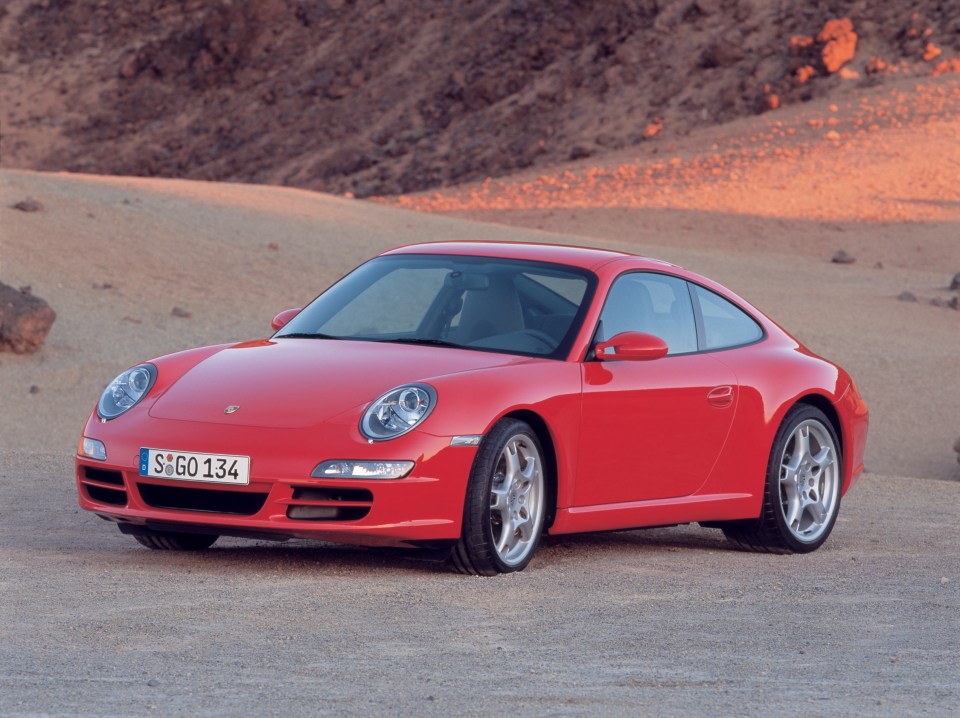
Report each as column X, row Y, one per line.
column 294, row 383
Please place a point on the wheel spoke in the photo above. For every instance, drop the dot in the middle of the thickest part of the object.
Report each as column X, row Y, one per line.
column 523, row 526
column 507, row 529
column 790, row 467
column 823, row 458
column 794, row 510
column 818, row 512
column 788, row 476
column 499, row 497
column 801, row 445
column 512, row 461
column 529, row 472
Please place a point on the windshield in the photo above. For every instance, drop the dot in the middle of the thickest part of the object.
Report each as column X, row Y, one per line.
column 483, row 303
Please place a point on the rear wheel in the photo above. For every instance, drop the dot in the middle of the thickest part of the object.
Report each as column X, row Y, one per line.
column 802, row 492
column 505, row 505
column 165, row 541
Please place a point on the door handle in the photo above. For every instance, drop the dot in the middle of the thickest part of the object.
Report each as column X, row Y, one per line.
column 720, row 396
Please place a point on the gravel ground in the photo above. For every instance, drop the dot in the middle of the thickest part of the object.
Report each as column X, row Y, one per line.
column 657, row 622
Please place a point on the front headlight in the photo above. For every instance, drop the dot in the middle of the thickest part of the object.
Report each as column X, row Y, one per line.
column 123, row 393
column 398, row 411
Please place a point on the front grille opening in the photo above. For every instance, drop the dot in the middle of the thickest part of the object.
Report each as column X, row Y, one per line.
column 329, row 504
column 106, row 496
column 327, row 513
column 332, row 494
column 243, row 503
column 103, row 476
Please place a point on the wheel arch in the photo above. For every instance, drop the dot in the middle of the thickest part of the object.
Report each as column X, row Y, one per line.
column 818, row 401
column 545, row 436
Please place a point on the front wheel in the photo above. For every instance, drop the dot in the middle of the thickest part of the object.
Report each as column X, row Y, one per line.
column 802, row 493
column 505, row 505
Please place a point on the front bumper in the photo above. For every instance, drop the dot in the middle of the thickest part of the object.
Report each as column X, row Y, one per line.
column 282, row 500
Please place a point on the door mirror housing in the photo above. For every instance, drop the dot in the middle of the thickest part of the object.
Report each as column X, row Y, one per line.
column 635, row 346
column 283, row 317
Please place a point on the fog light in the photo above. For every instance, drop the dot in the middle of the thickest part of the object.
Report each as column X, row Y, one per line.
column 93, row 449
column 347, row 469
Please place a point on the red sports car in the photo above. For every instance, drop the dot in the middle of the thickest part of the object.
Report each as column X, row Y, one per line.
column 468, row 397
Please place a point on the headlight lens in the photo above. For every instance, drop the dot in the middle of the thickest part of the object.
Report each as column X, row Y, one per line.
column 398, row 411
column 126, row 390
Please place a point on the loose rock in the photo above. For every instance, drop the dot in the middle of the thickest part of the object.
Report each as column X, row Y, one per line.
column 25, row 321
column 580, row 152
column 955, row 283
column 842, row 257
column 28, row 205
column 182, row 313
column 840, row 43
column 907, row 297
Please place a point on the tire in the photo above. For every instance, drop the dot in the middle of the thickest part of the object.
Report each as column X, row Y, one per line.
column 801, row 497
column 505, row 504
column 162, row 541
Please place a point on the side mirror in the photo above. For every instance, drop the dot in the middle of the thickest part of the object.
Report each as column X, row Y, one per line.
column 283, row 317
column 635, row 346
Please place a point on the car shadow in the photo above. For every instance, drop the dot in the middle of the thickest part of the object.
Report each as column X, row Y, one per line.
column 301, row 557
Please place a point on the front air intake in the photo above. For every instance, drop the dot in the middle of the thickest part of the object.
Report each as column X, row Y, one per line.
column 242, row 503
column 103, row 486
column 329, row 504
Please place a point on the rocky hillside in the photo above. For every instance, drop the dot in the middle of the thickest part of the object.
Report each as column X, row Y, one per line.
column 392, row 96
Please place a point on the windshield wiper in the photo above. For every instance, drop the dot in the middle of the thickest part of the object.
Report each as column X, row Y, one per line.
column 307, row 335
column 420, row 340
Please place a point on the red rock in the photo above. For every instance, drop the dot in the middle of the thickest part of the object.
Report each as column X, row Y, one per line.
column 805, row 73
column 840, row 44
column 25, row 321
column 931, row 52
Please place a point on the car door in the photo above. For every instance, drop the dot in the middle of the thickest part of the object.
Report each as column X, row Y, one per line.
column 651, row 429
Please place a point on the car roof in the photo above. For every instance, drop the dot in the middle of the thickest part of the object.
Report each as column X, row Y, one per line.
column 584, row 257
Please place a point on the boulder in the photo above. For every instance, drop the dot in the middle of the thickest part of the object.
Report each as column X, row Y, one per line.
column 25, row 320
column 839, row 43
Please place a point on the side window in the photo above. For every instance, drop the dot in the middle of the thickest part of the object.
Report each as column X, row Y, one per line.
column 724, row 324
column 656, row 304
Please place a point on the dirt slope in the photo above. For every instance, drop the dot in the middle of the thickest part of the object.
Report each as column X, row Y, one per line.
column 384, row 97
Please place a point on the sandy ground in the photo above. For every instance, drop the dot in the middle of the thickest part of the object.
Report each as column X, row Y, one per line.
column 661, row 622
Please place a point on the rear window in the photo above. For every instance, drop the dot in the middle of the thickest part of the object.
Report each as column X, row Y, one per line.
column 725, row 324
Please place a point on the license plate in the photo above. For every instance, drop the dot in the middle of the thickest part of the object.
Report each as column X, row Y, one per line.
column 211, row 468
